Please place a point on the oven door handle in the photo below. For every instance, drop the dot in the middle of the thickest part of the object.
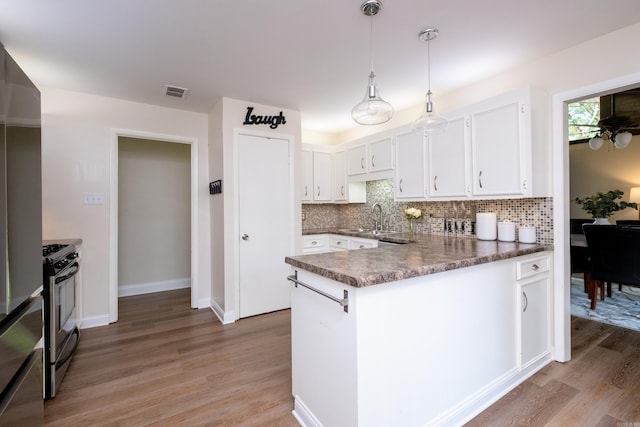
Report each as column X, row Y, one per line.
column 61, row 362
column 73, row 270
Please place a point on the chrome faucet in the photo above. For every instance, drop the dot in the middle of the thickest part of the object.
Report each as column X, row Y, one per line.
column 377, row 223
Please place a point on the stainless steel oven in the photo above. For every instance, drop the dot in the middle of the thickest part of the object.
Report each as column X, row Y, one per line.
column 61, row 332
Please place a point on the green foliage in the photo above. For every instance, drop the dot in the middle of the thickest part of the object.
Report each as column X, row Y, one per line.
column 582, row 114
column 602, row 205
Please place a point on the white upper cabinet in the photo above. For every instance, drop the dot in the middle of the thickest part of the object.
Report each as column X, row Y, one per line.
column 340, row 176
column 357, row 160
column 381, row 155
column 370, row 160
column 448, row 161
column 322, row 181
column 410, row 167
column 317, row 176
column 307, row 176
column 501, row 146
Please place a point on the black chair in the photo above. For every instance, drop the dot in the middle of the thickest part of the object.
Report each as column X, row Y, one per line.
column 628, row 222
column 575, row 225
column 614, row 256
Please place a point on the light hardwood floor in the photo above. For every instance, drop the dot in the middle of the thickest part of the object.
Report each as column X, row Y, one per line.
column 166, row 364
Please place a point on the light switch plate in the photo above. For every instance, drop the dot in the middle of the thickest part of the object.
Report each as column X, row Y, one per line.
column 93, row 198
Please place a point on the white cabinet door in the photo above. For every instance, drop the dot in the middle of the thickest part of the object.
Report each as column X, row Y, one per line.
column 499, row 148
column 448, row 177
column 322, row 182
column 307, row 176
column 534, row 312
column 340, row 176
column 381, row 155
column 410, row 166
column 357, row 160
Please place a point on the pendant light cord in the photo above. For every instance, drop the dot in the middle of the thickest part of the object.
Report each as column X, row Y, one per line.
column 371, row 40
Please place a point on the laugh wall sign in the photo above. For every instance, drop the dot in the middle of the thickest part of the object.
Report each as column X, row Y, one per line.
column 255, row 119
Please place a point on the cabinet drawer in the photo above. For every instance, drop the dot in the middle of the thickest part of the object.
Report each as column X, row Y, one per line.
column 314, row 241
column 339, row 242
column 532, row 266
column 362, row 243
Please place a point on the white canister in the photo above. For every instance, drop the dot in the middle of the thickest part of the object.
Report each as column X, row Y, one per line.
column 486, row 228
column 506, row 231
column 527, row 234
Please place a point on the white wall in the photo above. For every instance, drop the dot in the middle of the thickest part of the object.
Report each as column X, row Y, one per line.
column 603, row 170
column 572, row 68
column 76, row 140
column 224, row 121
column 154, row 215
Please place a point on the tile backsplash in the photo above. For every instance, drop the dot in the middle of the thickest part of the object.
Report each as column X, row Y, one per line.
column 532, row 211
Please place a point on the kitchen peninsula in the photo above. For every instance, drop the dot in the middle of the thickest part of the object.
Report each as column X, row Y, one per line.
column 425, row 333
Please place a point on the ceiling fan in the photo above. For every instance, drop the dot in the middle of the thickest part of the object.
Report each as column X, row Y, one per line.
column 615, row 129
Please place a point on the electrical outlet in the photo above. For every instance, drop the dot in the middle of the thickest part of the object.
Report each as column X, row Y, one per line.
column 93, row 198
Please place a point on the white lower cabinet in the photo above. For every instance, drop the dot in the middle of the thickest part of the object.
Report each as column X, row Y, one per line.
column 319, row 243
column 359, row 243
column 398, row 345
column 533, row 303
column 315, row 243
column 338, row 243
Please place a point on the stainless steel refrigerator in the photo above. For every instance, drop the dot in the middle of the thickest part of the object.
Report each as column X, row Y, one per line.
column 21, row 398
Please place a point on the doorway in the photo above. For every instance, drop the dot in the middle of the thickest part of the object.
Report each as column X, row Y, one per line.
column 153, row 216
column 265, row 223
column 561, row 207
column 116, row 134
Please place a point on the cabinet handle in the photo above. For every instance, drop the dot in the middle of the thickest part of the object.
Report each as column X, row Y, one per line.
column 535, row 267
column 480, row 179
column 318, row 191
column 306, row 191
column 314, row 243
column 400, row 185
column 245, row 237
column 362, row 246
column 339, row 242
column 526, row 301
column 373, row 161
column 362, row 163
column 342, row 190
column 435, row 183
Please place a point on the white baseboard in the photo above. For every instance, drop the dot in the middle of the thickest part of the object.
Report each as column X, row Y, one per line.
column 94, row 321
column 303, row 415
column 225, row 317
column 147, row 288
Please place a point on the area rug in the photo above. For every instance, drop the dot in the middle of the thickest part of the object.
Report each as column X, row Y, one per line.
column 622, row 309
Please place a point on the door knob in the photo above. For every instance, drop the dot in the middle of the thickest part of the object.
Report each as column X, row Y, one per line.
column 245, row 237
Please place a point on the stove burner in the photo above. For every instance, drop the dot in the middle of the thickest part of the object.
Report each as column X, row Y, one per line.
column 51, row 249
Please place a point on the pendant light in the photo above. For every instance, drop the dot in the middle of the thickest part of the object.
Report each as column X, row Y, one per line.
column 372, row 110
column 429, row 121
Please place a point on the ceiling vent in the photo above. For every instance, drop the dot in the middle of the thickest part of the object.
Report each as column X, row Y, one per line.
column 175, row 91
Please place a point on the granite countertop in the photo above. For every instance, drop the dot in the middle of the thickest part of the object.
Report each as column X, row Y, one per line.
column 427, row 254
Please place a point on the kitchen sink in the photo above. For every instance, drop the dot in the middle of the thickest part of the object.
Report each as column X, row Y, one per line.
column 368, row 231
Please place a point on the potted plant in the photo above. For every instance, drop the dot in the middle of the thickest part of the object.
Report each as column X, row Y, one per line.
column 602, row 205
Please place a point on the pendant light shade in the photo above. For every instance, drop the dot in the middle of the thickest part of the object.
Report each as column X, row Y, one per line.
column 372, row 110
column 429, row 122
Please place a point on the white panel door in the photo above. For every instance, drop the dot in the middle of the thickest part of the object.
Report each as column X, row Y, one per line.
column 265, row 219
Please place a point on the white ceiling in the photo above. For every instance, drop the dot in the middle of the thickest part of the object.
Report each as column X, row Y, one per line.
column 310, row 56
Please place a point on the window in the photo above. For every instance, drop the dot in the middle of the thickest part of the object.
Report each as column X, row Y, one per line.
column 583, row 120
